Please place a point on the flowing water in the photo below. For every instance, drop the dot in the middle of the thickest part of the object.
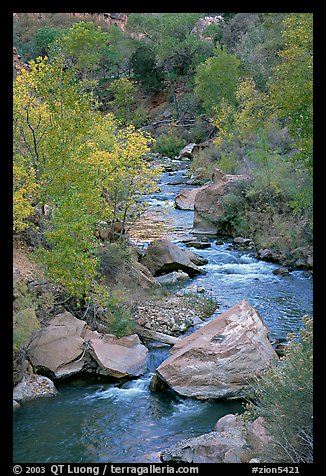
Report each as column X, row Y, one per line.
column 95, row 420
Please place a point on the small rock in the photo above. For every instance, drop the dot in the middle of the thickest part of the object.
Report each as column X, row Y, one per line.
column 268, row 255
column 199, row 245
column 15, row 405
column 200, row 289
column 241, row 241
column 172, row 278
column 281, row 271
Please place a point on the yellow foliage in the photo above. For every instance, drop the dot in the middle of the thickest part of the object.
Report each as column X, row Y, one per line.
column 25, row 192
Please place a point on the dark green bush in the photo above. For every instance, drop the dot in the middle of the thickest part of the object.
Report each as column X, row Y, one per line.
column 169, row 144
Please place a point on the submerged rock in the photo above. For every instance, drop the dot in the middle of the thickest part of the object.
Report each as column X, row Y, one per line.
column 222, row 357
column 223, row 445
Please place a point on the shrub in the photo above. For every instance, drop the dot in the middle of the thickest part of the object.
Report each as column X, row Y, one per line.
column 119, row 319
column 283, row 397
column 113, row 256
column 204, row 162
column 169, row 144
column 24, row 317
column 205, row 306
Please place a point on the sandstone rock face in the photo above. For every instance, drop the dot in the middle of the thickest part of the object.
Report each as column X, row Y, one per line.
column 207, row 205
column 220, row 359
column 58, row 346
column 187, row 151
column 162, row 256
column 117, row 357
column 33, row 386
column 66, row 345
column 185, row 200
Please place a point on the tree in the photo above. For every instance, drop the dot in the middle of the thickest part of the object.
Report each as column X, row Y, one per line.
column 115, row 56
column 216, row 79
column 258, row 48
column 43, row 38
column 145, row 70
column 176, row 46
column 123, row 90
column 78, row 158
column 292, row 87
column 81, row 48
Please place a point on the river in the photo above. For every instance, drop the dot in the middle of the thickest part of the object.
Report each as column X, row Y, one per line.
column 95, row 420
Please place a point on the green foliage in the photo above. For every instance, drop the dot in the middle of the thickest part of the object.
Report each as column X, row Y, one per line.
column 258, row 48
column 217, row 79
column 262, row 209
column 71, row 260
column 119, row 319
column 204, row 162
column 25, row 191
column 123, row 90
column 284, row 398
column 170, row 48
column 235, row 28
column 145, row 70
column 24, row 317
column 169, row 144
column 292, row 87
column 81, row 47
column 86, row 170
column 43, row 39
column 115, row 57
column 204, row 306
column 114, row 255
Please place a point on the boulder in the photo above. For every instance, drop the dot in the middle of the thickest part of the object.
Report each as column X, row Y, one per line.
column 268, row 255
column 33, row 386
column 232, row 441
column 172, row 278
column 256, row 435
column 162, row 256
column 59, row 346
column 207, row 205
column 187, row 151
column 195, row 258
column 185, row 200
column 223, row 445
column 117, row 357
column 221, row 358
